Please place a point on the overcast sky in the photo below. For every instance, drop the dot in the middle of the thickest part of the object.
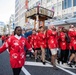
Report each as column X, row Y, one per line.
column 7, row 7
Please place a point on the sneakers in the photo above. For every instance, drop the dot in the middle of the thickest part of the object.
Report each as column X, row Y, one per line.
column 65, row 64
column 60, row 63
column 36, row 59
column 55, row 68
column 69, row 63
column 43, row 63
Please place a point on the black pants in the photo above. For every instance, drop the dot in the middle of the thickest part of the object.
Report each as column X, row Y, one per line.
column 16, row 71
column 2, row 41
column 64, row 56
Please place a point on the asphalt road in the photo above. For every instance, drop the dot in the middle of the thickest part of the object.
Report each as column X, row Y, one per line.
column 33, row 68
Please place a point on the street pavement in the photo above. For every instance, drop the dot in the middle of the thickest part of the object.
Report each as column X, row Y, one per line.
column 33, row 68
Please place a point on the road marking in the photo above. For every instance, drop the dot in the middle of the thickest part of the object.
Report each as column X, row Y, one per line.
column 70, row 72
column 37, row 64
column 66, row 66
column 63, row 65
column 25, row 71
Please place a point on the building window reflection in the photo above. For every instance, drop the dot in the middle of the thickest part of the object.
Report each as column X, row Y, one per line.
column 74, row 14
column 66, row 4
column 70, row 3
column 74, row 2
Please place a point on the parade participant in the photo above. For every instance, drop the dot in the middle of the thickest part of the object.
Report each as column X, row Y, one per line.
column 75, row 48
column 72, row 45
column 42, row 36
column 59, row 29
column 7, row 37
column 34, row 43
column 63, row 46
column 52, row 44
column 3, row 38
column 16, row 45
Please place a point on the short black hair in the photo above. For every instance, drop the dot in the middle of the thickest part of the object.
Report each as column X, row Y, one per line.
column 16, row 29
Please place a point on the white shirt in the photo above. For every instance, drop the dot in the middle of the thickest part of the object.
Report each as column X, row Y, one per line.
column 18, row 37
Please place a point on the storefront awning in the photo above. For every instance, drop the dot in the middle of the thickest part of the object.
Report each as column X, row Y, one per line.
column 63, row 22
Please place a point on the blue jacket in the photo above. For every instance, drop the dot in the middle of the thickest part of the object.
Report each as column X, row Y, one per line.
column 27, row 34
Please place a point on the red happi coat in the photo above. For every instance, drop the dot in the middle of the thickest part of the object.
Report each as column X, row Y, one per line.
column 74, row 42
column 3, row 38
column 42, row 39
column 62, row 41
column 52, row 39
column 38, row 38
column 71, row 34
column 16, row 50
column 29, row 40
column 34, row 41
column 6, row 38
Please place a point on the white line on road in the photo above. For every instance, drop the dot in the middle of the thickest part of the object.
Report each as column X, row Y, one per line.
column 70, row 72
column 25, row 71
column 66, row 66
column 37, row 64
column 63, row 65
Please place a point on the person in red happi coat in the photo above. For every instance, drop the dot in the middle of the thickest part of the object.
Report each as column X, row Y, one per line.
column 34, row 43
column 42, row 36
column 75, row 48
column 63, row 45
column 53, row 43
column 16, row 45
column 72, row 45
column 3, row 38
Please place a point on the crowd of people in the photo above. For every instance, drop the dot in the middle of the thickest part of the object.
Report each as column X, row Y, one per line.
column 59, row 44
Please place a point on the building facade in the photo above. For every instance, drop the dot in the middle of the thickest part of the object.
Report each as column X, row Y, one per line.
column 2, row 26
column 11, row 24
column 20, row 12
column 65, row 10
